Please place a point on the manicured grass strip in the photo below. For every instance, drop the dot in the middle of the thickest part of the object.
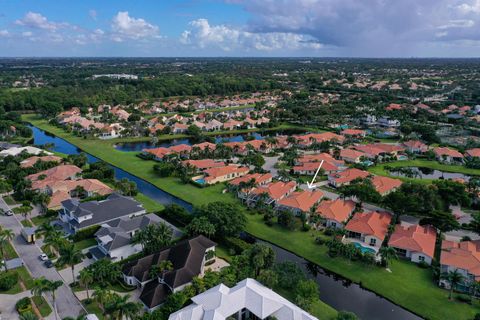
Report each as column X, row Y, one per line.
column 42, row 305
column 86, row 243
column 320, row 309
column 9, row 251
column 93, row 307
column 26, row 223
column 407, row 284
column 9, row 200
column 148, row 203
column 39, row 220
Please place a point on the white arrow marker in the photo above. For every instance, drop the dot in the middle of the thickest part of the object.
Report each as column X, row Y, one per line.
column 312, row 185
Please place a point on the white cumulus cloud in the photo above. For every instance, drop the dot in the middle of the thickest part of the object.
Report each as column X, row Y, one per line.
column 126, row 27
column 203, row 35
column 37, row 21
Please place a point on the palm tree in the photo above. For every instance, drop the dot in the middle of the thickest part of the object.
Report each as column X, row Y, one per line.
column 39, row 287
column 6, row 235
column 102, row 297
column 474, row 290
column 70, row 256
column 454, row 278
column 120, row 308
column 42, row 285
column 388, row 254
column 54, row 239
column 86, row 278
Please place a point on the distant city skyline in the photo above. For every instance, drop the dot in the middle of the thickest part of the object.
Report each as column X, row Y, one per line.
column 240, row 28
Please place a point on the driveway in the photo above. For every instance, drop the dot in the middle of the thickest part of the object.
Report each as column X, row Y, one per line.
column 67, row 304
column 270, row 165
column 66, row 273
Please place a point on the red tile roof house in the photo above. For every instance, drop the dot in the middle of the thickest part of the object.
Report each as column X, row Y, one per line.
column 473, row 153
column 274, row 191
column 258, row 179
column 461, row 256
column 300, row 201
column 379, row 150
column 447, row 155
column 222, row 174
column 29, row 162
column 336, row 212
column 308, row 139
column 351, row 155
column 345, row 177
column 203, row 164
column 415, row 146
column 158, row 153
column 414, row 242
column 205, row 145
column 368, row 229
column 309, row 168
column 385, row 185
column 354, row 133
column 179, row 128
column 41, row 179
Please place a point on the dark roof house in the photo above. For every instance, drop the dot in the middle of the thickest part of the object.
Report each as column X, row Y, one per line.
column 187, row 258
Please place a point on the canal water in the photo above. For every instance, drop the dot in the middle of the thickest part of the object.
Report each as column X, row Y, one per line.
column 139, row 146
column 336, row 291
column 426, row 173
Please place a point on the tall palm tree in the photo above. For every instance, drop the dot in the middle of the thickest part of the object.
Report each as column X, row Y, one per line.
column 388, row 254
column 52, row 287
column 70, row 256
column 454, row 278
column 102, row 297
column 53, row 239
column 42, row 285
column 39, row 287
column 119, row 307
column 86, row 279
column 6, row 235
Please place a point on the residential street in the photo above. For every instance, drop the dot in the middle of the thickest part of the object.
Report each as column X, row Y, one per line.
column 67, row 303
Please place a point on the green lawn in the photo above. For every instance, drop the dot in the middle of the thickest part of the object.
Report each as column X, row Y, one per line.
column 42, row 305
column 26, row 223
column 9, row 251
column 148, row 203
column 23, row 276
column 408, row 285
column 84, row 244
column 93, row 308
column 9, row 200
column 39, row 220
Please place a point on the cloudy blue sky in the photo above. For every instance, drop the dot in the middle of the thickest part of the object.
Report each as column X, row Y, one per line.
column 352, row 28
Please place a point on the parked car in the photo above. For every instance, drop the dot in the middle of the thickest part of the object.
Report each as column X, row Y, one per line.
column 43, row 257
column 48, row 263
column 9, row 213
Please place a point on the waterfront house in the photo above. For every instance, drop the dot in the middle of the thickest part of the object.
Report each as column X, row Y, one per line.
column 351, row 155
column 415, row 242
column 385, row 185
column 461, row 256
column 368, row 229
column 300, row 201
column 222, row 174
column 29, row 162
column 335, row 212
column 273, row 192
column 448, row 155
column 415, row 146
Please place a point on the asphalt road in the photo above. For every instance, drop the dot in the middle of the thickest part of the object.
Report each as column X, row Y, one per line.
column 67, row 304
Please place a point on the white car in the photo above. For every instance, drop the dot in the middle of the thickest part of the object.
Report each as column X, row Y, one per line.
column 9, row 213
column 43, row 257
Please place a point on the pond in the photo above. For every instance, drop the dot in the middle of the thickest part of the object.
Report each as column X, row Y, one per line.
column 425, row 173
column 336, row 291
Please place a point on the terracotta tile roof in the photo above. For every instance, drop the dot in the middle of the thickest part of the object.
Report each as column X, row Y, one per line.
column 384, row 185
column 475, row 152
column 462, row 255
column 313, row 166
column 376, row 149
column 351, row 154
column 276, row 190
column 61, row 172
column 349, row 175
column 319, row 157
column 204, row 163
column 180, row 148
column 373, row 223
column 414, row 238
column 338, row 210
column 258, row 177
column 441, row 151
column 353, row 132
column 204, row 145
column 415, row 144
column 320, row 137
column 213, row 173
column 57, row 198
column 29, row 162
column 158, row 152
column 303, row 200
column 394, row 106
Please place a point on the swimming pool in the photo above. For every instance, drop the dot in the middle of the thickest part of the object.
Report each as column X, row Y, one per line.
column 364, row 249
column 200, row 181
